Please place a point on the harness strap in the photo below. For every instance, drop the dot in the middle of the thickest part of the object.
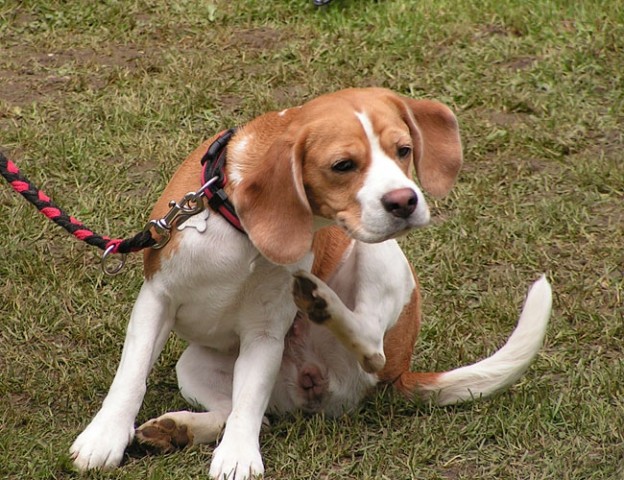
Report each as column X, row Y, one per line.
column 213, row 163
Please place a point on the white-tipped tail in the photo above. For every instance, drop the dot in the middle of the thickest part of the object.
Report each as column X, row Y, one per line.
column 505, row 366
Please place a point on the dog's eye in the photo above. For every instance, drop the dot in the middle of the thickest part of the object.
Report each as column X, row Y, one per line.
column 343, row 166
column 404, row 152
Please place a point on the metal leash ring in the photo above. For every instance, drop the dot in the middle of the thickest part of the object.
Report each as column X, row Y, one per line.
column 112, row 268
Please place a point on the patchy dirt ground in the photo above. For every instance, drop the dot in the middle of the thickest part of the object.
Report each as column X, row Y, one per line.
column 29, row 75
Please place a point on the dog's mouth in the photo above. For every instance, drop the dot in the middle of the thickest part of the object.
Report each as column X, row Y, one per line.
column 396, row 228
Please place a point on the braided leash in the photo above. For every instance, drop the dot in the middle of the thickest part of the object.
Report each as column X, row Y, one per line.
column 213, row 179
column 30, row 192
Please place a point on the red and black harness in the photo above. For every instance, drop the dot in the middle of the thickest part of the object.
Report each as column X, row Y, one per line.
column 213, row 163
column 213, row 181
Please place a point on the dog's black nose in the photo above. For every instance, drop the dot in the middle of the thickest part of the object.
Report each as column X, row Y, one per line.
column 401, row 202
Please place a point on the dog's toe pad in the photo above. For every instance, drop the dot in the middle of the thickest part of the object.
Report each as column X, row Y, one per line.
column 309, row 300
column 164, row 434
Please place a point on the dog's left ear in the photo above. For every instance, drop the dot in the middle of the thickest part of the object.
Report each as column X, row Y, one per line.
column 272, row 205
column 437, row 145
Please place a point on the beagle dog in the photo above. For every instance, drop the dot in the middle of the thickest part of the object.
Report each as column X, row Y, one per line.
column 320, row 192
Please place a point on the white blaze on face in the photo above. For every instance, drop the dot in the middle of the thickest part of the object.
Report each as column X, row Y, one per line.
column 384, row 176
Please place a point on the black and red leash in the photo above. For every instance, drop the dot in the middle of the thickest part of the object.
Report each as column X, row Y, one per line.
column 46, row 206
column 191, row 204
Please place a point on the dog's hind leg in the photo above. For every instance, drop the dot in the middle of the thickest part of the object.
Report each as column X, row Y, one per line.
column 102, row 443
column 205, row 380
column 361, row 301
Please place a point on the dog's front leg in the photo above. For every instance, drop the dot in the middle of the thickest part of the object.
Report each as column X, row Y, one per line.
column 102, row 443
column 238, row 454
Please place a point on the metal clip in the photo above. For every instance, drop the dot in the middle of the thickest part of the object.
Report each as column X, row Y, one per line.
column 190, row 205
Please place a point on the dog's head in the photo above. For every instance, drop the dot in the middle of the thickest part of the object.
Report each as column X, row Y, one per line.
column 347, row 158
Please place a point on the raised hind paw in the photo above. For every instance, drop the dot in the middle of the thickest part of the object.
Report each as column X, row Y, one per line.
column 322, row 305
column 312, row 296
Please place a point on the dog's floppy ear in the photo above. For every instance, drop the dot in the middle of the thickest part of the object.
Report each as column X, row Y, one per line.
column 437, row 145
column 272, row 205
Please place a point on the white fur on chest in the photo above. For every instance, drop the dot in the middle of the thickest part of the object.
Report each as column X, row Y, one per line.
column 221, row 286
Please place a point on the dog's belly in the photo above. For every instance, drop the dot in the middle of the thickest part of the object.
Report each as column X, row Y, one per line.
column 318, row 374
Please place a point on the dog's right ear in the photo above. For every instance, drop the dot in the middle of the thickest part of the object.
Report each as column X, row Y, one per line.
column 272, row 205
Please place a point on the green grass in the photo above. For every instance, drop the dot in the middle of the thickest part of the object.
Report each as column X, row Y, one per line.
column 99, row 101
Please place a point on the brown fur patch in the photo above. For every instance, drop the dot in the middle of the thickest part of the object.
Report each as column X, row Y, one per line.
column 400, row 339
column 329, row 246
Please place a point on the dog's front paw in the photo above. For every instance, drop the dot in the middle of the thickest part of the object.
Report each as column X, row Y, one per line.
column 164, row 434
column 236, row 462
column 101, row 444
column 311, row 297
